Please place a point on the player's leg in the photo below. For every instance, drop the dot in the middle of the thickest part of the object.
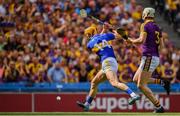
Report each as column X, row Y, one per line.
column 136, row 75
column 153, row 63
column 110, row 68
column 143, row 81
column 164, row 83
column 112, row 78
column 100, row 77
column 143, row 76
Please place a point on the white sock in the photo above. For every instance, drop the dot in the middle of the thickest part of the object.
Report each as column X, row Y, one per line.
column 133, row 94
column 87, row 104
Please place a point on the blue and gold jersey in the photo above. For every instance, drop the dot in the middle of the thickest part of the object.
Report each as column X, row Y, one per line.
column 101, row 44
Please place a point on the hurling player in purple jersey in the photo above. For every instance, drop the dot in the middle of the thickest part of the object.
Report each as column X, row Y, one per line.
column 151, row 40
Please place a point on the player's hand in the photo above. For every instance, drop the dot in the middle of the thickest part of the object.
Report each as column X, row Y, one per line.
column 103, row 29
column 117, row 35
column 107, row 25
column 123, row 33
column 129, row 41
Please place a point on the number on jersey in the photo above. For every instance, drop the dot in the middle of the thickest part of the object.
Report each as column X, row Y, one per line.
column 157, row 37
column 101, row 45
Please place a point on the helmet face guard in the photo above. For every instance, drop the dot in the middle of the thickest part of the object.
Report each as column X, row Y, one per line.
column 148, row 12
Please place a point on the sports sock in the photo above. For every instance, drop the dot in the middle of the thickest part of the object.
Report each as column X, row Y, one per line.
column 89, row 99
column 130, row 92
column 157, row 81
column 157, row 104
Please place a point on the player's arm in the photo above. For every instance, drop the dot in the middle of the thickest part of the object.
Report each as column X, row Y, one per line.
column 90, row 47
column 140, row 40
column 162, row 45
column 103, row 30
column 142, row 37
column 116, row 34
column 106, row 26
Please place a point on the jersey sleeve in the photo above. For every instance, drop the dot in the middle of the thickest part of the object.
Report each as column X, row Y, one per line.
column 143, row 28
column 109, row 36
column 89, row 45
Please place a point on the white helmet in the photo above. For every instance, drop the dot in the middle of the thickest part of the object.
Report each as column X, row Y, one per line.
column 148, row 12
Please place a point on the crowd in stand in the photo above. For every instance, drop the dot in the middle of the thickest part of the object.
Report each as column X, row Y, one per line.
column 171, row 11
column 48, row 42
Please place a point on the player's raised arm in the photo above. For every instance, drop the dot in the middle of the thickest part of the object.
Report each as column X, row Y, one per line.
column 103, row 29
column 121, row 33
column 140, row 40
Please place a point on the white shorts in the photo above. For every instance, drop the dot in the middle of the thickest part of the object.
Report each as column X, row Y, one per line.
column 110, row 64
column 149, row 63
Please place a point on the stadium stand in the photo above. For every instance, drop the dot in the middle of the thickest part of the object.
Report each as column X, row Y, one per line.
column 48, row 32
column 170, row 9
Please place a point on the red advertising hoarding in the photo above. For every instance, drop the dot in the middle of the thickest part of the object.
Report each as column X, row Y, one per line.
column 66, row 102
column 15, row 102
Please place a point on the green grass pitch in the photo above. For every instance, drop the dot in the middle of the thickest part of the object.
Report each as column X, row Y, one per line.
column 86, row 114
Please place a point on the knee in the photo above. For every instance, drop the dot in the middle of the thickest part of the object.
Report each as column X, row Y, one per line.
column 114, row 83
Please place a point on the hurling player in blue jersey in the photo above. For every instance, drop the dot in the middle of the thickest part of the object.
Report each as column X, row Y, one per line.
column 101, row 45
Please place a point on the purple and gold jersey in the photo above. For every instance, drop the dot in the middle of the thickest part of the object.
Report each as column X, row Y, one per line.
column 151, row 45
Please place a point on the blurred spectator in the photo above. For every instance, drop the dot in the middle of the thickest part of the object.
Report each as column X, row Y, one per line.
column 168, row 72
column 50, row 31
column 2, row 44
column 1, row 70
column 22, row 69
column 171, row 10
column 125, row 76
column 2, row 8
column 34, row 68
column 40, row 76
column 137, row 13
column 83, row 73
column 11, row 73
column 171, row 7
column 56, row 73
column 177, row 80
column 177, row 23
column 126, row 19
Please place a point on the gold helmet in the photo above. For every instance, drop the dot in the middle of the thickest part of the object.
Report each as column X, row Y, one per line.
column 90, row 31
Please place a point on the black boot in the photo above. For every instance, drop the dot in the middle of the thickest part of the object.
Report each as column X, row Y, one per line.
column 159, row 110
column 82, row 105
